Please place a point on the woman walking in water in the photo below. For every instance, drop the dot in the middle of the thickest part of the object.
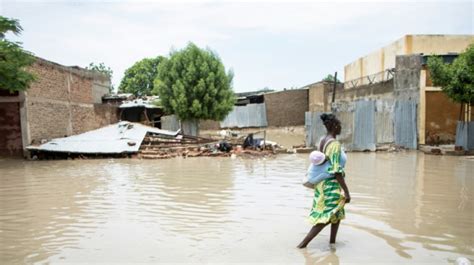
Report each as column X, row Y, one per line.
column 328, row 202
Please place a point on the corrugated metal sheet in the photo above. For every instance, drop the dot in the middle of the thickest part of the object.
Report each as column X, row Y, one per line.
column 138, row 103
column 405, row 124
column 347, row 132
column 364, row 126
column 314, row 128
column 384, row 127
column 190, row 127
column 170, row 123
column 465, row 135
column 113, row 139
column 251, row 115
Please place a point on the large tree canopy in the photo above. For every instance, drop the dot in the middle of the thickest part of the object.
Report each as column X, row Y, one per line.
column 456, row 79
column 13, row 59
column 193, row 84
column 139, row 78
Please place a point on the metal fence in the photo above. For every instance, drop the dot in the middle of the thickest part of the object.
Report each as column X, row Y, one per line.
column 405, row 124
column 465, row 135
column 370, row 79
column 250, row 115
column 170, row 123
column 366, row 123
column 314, row 128
column 364, row 126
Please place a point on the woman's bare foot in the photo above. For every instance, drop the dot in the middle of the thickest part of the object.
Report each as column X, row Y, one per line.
column 301, row 245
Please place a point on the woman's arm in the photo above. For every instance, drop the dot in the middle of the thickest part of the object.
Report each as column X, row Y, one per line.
column 308, row 185
column 342, row 182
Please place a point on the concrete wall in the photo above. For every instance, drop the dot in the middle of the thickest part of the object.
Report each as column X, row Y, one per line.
column 441, row 119
column 407, row 77
column 384, row 58
column 286, row 108
column 64, row 101
column 320, row 95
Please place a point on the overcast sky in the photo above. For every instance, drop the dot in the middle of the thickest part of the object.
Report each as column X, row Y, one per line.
column 275, row 44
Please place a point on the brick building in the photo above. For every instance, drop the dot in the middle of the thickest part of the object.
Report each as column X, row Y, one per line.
column 286, row 108
column 62, row 101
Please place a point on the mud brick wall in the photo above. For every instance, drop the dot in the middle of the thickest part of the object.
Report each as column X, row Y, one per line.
column 286, row 108
column 63, row 101
column 10, row 129
column 209, row 125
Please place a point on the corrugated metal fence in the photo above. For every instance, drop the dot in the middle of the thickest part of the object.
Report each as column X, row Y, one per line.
column 366, row 123
column 405, row 124
column 251, row 115
column 314, row 128
column 465, row 135
column 170, row 123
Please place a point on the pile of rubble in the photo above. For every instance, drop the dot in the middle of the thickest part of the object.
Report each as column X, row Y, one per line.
column 127, row 139
column 161, row 147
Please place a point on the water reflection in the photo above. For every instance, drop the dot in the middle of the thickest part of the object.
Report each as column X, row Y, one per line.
column 407, row 207
column 428, row 199
column 41, row 214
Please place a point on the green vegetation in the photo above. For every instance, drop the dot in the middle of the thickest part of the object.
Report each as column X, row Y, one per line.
column 100, row 68
column 330, row 78
column 13, row 59
column 139, row 78
column 193, row 84
column 455, row 79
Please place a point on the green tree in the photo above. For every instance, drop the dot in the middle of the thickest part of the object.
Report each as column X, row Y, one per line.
column 13, row 59
column 330, row 78
column 139, row 78
column 102, row 68
column 193, row 84
column 455, row 79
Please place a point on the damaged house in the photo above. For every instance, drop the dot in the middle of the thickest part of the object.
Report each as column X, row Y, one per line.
column 62, row 101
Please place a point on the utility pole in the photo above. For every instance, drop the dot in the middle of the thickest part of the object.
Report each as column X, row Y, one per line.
column 334, row 90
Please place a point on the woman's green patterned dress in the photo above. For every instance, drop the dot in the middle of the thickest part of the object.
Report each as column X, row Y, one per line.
column 328, row 202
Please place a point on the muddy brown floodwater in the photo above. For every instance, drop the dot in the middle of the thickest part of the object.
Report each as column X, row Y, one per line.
column 407, row 208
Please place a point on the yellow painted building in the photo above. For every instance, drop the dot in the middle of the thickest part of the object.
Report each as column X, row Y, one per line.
column 375, row 63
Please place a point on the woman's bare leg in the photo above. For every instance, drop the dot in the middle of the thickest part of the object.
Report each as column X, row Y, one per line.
column 311, row 234
column 334, row 228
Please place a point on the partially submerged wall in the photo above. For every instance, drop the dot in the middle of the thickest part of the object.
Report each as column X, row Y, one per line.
column 286, row 108
column 442, row 115
column 366, row 115
column 64, row 101
column 10, row 126
column 379, row 113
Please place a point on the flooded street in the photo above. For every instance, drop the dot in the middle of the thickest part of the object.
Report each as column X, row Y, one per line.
column 406, row 208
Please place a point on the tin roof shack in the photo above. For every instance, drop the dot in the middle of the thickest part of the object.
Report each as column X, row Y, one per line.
column 249, row 112
column 117, row 99
column 142, row 111
column 62, row 101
